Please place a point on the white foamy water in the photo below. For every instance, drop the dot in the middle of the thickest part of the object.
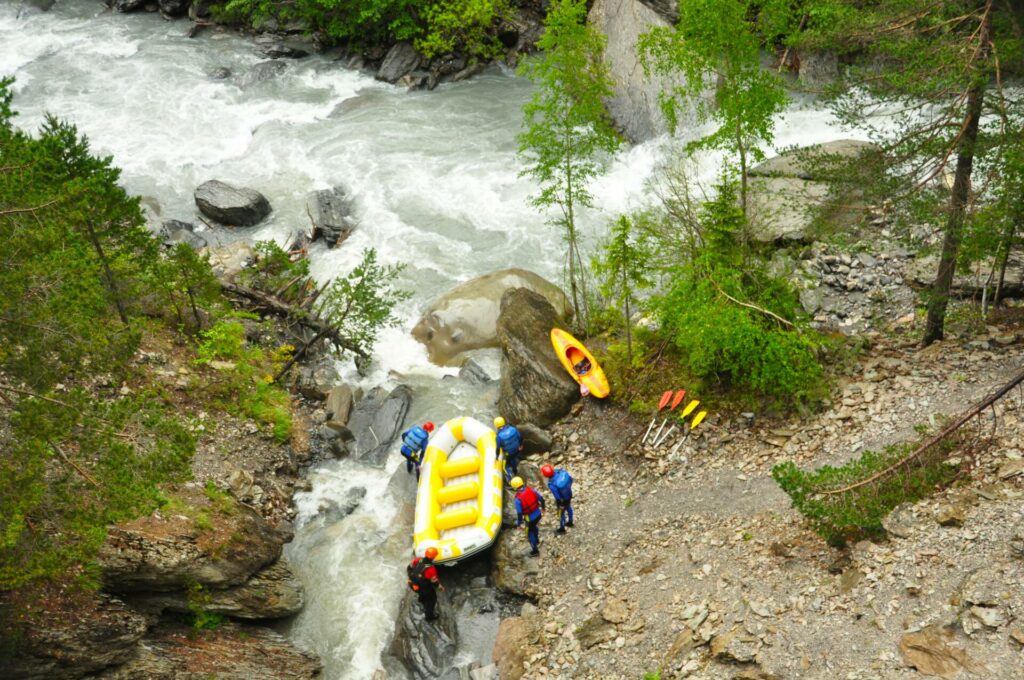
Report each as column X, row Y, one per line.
column 436, row 186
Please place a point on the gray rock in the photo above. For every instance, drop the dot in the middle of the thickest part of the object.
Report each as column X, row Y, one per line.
column 231, row 205
column 810, row 300
column 332, row 215
column 339, row 404
column 29, row 6
column 84, row 633
column 818, row 69
column 920, row 273
column 316, row 381
column 781, row 208
column 512, row 570
column 817, row 162
column 265, row 70
column 229, row 259
column 174, row 8
column 271, row 593
column 283, row 50
column 634, row 105
column 867, row 259
column 376, row 422
column 334, row 511
column 535, row 439
column 469, row 72
column 416, row 80
column 594, row 631
column 170, row 652
column 474, row 374
column 425, row 648
column 127, row 5
column 535, row 388
column 466, row 317
column 167, row 553
column 400, row 60
column 173, row 232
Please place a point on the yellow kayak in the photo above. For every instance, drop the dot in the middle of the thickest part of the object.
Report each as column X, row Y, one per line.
column 580, row 363
column 458, row 500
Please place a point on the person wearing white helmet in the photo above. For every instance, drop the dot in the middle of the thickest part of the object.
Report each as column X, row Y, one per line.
column 510, row 442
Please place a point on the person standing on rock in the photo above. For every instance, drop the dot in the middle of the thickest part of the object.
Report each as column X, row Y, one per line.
column 560, row 484
column 531, row 504
column 422, row 576
column 510, row 441
column 414, row 446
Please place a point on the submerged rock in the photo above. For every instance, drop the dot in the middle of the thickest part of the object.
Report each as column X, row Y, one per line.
column 231, row 205
column 535, row 388
column 173, row 232
column 127, row 5
column 466, row 317
column 376, row 422
column 174, row 8
column 331, row 211
column 265, row 70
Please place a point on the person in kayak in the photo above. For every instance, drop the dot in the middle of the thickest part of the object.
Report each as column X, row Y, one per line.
column 560, row 484
column 414, row 446
column 510, row 441
column 531, row 504
column 422, row 577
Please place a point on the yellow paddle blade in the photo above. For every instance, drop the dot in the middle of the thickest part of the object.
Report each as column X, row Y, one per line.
column 689, row 408
column 697, row 419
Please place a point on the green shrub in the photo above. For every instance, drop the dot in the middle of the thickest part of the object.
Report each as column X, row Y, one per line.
column 858, row 512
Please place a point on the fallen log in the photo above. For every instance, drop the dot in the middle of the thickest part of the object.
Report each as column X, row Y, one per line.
column 299, row 314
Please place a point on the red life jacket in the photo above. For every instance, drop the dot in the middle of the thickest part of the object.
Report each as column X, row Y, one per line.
column 529, row 499
column 417, row 575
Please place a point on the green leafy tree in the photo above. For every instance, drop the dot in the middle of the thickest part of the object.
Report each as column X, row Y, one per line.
column 568, row 130
column 717, row 44
column 625, row 268
column 185, row 283
column 462, row 24
column 938, row 69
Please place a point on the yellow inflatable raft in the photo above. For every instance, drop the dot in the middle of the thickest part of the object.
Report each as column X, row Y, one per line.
column 458, row 502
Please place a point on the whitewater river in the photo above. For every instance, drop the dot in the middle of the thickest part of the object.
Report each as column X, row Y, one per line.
column 436, row 182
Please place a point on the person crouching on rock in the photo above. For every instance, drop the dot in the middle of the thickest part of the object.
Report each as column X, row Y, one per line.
column 529, row 503
column 422, row 577
column 510, row 441
column 414, row 446
column 560, row 484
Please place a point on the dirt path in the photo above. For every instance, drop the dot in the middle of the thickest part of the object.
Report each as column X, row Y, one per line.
column 699, row 567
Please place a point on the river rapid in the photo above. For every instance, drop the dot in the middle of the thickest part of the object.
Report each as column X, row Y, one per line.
column 436, row 185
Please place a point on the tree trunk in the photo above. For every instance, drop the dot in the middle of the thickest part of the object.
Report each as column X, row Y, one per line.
column 108, row 273
column 935, row 323
column 629, row 334
column 1003, row 259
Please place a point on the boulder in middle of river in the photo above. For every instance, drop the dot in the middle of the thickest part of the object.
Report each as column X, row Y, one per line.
column 466, row 317
column 331, row 212
column 376, row 422
column 231, row 205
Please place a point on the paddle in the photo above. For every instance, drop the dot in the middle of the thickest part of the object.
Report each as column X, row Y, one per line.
column 661, row 404
column 675, row 402
column 693, row 425
column 682, row 419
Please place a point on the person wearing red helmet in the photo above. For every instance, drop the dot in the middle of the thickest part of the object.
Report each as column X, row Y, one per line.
column 560, row 484
column 414, row 446
column 422, row 577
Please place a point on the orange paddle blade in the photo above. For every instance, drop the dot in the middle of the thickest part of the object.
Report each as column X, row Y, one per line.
column 678, row 398
column 664, row 399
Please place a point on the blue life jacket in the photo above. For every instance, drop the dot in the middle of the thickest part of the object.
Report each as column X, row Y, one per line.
column 415, row 438
column 561, row 485
column 509, row 440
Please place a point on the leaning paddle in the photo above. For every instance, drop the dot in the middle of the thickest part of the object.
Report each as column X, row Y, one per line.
column 693, row 425
column 675, row 402
column 661, row 404
column 682, row 419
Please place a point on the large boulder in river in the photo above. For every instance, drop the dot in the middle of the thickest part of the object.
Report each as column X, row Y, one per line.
column 231, row 205
column 790, row 193
column 376, row 422
column 174, row 550
column 127, row 5
column 535, row 387
column 331, row 212
column 466, row 317
column 634, row 103
column 401, row 59
column 67, row 632
column 265, row 70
